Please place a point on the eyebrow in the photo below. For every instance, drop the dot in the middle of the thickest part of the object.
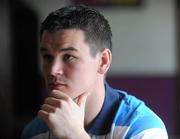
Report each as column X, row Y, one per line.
column 44, row 49
column 68, row 49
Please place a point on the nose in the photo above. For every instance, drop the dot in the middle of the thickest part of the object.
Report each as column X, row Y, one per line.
column 56, row 67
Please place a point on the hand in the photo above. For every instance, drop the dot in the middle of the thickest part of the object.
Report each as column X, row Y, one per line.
column 63, row 116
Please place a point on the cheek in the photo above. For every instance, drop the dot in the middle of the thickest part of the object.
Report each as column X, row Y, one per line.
column 83, row 75
column 74, row 72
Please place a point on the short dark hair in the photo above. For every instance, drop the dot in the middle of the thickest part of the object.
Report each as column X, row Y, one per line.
column 96, row 28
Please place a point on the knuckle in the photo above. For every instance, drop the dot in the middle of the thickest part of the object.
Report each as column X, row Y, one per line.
column 59, row 103
column 56, row 110
column 43, row 106
column 46, row 100
column 62, row 103
column 68, row 100
column 53, row 110
column 50, row 117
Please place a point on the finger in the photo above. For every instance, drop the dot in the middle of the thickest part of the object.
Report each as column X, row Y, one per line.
column 52, row 101
column 48, row 108
column 82, row 100
column 43, row 114
column 58, row 94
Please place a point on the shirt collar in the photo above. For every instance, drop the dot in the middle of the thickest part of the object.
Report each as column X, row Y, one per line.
column 102, row 123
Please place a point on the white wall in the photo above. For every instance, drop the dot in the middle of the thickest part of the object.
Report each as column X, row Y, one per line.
column 143, row 38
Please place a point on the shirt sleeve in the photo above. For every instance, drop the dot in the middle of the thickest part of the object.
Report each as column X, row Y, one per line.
column 154, row 133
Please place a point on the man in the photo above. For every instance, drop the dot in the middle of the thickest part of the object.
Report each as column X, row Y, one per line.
column 76, row 52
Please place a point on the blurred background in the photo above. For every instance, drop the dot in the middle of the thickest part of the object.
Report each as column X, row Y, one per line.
column 146, row 57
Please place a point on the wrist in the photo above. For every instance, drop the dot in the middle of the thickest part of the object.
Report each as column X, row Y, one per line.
column 85, row 135
column 81, row 135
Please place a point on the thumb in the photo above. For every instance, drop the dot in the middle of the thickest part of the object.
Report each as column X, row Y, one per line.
column 82, row 100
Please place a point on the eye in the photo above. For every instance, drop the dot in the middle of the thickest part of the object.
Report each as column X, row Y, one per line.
column 68, row 58
column 47, row 58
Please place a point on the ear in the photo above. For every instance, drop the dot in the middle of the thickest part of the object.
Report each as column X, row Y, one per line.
column 105, row 61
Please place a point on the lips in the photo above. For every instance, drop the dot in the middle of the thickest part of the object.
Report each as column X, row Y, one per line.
column 56, row 86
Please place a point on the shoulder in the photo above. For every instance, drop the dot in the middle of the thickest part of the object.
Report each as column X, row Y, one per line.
column 137, row 119
column 35, row 127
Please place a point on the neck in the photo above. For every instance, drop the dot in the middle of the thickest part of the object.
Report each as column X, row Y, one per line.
column 94, row 103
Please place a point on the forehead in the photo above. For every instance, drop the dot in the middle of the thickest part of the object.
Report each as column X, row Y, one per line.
column 65, row 38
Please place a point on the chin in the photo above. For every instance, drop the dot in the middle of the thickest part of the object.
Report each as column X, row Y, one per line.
column 65, row 91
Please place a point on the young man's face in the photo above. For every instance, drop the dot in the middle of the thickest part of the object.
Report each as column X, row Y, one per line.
column 67, row 63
